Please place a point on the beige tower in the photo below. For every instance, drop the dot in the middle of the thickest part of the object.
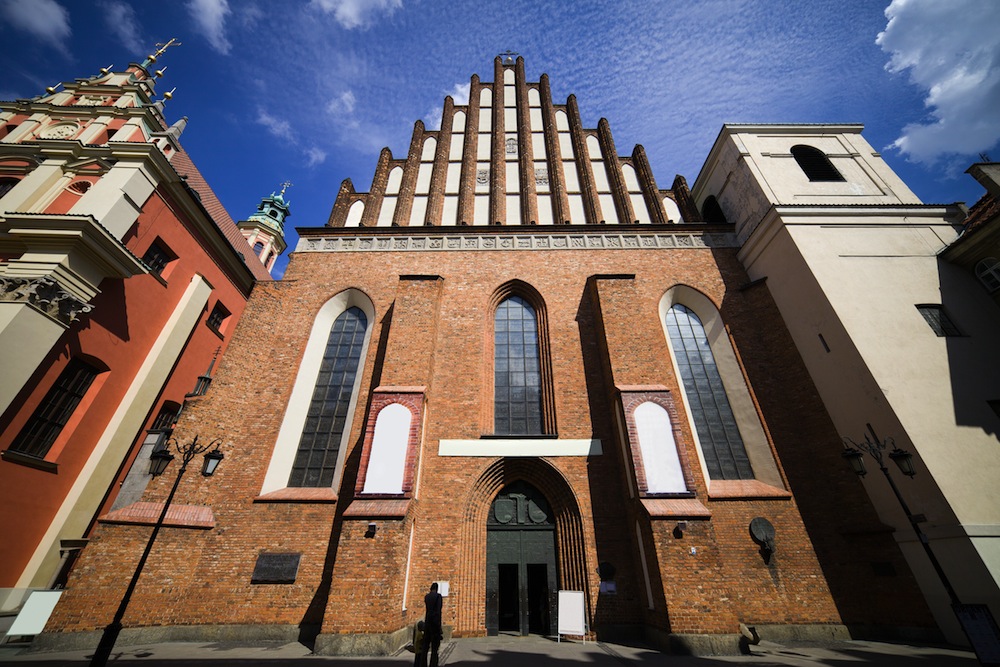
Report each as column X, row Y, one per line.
column 900, row 342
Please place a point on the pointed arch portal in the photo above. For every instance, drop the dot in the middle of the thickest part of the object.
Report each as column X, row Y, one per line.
column 521, row 576
column 564, row 557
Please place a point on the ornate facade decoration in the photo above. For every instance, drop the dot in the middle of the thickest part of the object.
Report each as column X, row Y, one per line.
column 517, row 242
column 45, row 294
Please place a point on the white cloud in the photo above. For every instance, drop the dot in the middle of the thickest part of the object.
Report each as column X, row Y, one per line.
column 45, row 19
column 122, row 21
column 210, row 19
column 250, row 15
column 314, row 156
column 951, row 50
column 357, row 13
column 460, row 93
column 276, row 126
column 432, row 119
column 342, row 104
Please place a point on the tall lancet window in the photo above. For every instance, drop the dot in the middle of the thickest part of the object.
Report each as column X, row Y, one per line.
column 517, row 385
column 721, row 444
column 316, row 459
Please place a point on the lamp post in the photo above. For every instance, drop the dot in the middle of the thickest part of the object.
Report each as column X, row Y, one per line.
column 976, row 620
column 158, row 462
column 904, row 460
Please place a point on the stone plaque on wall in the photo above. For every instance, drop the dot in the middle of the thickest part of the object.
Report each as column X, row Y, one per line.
column 276, row 569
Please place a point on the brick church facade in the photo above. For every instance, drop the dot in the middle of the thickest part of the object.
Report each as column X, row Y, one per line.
column 516, row 365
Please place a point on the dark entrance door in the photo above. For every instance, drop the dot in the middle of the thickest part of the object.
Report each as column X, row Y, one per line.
column 520, row 562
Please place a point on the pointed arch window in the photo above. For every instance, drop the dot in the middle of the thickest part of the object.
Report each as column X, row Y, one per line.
column 517, row 384
column 721, row 443
column 815, row 164
column 329, row 410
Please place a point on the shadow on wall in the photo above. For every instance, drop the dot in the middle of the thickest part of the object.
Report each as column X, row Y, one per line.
column 973, row 356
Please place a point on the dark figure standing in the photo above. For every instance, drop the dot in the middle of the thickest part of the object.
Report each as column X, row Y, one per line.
column 432, row 622
column 419, row 646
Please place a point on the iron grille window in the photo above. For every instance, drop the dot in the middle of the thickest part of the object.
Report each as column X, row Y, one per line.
column 157, row 258
column 517, row 385
column 815, row 164
column 217, row 317
column 939, row 320
column 167, row 417
column 316, row 460
column 37, row 436
column 721, row 444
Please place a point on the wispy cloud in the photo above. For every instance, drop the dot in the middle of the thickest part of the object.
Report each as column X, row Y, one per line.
column 280, row 128
column 357, row 13
column 250, row 15
column 315, row 156
column 342, row 104
column 952, row 51
column 45, row 19
column 120, row 18
column 209, row 18
column 459, row 95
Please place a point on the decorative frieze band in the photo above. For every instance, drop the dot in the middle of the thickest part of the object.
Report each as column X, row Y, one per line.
column 516, row 242
column 45, row 294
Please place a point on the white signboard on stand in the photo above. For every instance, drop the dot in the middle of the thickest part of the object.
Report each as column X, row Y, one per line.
column 572, row 614
column 34, row 614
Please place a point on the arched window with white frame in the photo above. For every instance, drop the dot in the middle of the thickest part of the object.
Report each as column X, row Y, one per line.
column 731, row 441
column 311, row 443
column 523, row 400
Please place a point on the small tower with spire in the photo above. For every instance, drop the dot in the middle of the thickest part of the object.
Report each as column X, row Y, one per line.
column 265, row 229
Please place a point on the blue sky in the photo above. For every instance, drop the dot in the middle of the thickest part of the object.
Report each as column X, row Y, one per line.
column 310, row 90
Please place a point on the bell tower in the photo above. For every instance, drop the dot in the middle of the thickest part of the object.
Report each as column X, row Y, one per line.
column 265, row 229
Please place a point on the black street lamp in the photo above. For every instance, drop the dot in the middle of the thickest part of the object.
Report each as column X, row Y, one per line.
column 158, row 462
column 904, row 460
column 976, row 619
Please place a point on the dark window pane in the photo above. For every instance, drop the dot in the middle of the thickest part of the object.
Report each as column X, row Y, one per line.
column 939, row 321
column 517, row 382
column 316, row 461
column 815, row 164
column 157, row 257
column 713, row 418
column 37, row 436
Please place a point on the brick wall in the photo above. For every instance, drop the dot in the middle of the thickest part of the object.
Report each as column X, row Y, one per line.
column 432, row 332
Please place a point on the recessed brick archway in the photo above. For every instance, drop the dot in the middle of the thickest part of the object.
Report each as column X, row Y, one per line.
column 570, row 551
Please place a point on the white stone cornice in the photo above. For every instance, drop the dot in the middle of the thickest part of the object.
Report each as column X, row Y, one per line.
column 74, row 250
column 582, row 240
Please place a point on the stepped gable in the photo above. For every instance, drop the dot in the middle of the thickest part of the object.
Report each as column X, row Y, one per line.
column 512, row 157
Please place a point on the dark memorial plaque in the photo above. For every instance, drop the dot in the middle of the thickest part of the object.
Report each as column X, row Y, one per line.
column 981, row 629
column 276, row 569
